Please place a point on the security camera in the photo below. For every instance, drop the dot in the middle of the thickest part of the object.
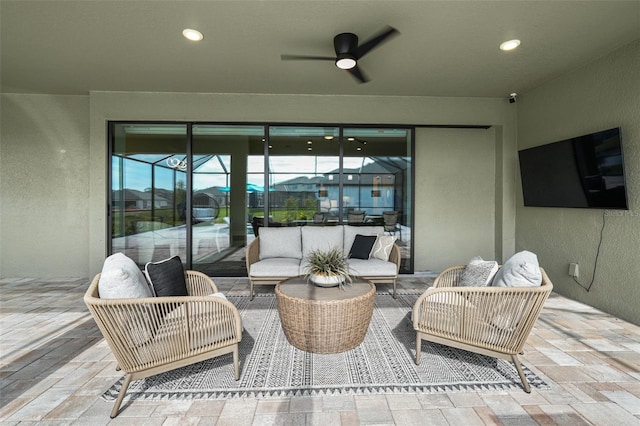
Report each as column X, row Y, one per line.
column 512, row 98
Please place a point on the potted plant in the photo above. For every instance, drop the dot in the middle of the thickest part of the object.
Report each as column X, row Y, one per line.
column 328, row 268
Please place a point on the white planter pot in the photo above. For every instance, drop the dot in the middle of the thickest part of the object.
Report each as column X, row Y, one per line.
column 327, row 280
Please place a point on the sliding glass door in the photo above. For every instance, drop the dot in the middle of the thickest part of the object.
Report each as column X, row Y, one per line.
column 149, row 191
column 202, row 191
column 224, row 185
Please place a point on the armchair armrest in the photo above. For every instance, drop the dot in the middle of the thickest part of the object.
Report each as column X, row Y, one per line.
column 252, row 254
column 450, row 277
column 395, row 256
column 199, row 284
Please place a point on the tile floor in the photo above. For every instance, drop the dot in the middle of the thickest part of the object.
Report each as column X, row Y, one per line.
column 54, row 366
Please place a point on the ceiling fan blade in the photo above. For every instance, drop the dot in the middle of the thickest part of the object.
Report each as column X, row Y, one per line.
column 373, row 42
column 358, row 74
column 306, row 57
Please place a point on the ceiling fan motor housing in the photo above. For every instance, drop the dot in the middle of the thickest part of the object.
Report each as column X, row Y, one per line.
column 345, row 43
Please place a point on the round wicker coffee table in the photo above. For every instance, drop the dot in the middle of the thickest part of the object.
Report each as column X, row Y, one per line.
column 325, row 320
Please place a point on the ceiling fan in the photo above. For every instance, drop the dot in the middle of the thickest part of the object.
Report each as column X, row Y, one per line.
column 348, row 52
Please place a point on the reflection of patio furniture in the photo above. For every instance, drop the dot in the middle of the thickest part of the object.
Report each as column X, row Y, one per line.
column 325, row 320
column 391, row 224
column 318, row 218
column 374, row 219
column 355, row 217
column 493, row 321
column 151, row 335
column 279, row 253
column 205, row 208
column 258, row 222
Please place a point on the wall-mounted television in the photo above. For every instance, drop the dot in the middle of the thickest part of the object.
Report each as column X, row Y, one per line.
column 584, row 172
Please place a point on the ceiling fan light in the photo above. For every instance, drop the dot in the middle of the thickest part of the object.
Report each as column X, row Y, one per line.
column 345, row 62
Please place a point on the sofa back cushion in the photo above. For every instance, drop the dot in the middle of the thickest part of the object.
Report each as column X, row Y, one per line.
column 350, row 233
column 280, row 242
column 321, row 238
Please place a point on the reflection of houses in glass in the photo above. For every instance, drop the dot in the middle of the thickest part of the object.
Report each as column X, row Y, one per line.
column 371, row 187
column 131, row 199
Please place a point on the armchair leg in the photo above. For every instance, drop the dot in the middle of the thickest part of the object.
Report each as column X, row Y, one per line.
column 394, row 289
column 250, row 289
column 525, row 383
column 418, row 348
column 123, row 391
column 236, row 363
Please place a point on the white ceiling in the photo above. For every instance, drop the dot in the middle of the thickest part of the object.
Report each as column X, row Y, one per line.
column 446, row 48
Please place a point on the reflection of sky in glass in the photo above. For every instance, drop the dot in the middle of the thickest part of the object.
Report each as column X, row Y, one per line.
column 137, row 175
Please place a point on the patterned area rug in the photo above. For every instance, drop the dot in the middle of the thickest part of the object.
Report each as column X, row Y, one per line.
column 383, row 363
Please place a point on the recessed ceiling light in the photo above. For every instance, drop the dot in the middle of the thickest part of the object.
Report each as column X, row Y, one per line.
column 351, row 139
column 309, row 142
column 193, row 35
column 510, row 45
column 309, row 149
column 328, row 137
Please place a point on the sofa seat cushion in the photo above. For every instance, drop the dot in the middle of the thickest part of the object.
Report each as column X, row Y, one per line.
column 276, row 267
column 279, row 242
column 321, row 238
column 372, row 268
column 350, row 233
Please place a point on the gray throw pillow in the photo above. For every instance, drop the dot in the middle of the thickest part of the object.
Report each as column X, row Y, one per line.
column 478, row 273
column 521, row 270
column 382, row 247
column 167, row 277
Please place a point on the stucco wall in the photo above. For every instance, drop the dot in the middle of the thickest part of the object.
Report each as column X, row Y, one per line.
column 44, row 186
column 455, row 197
column 333, row 109
column 63, row 230
column 601, row 95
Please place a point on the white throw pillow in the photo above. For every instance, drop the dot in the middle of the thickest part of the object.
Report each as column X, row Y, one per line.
column 382, row 248
column 478, row 273
column 280, row 242
column 521, row 270
column 121, row 278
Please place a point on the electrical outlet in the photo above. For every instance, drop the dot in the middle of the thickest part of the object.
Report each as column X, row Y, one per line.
column 574, row 270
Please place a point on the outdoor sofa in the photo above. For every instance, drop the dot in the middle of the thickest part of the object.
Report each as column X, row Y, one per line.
column 279, row 253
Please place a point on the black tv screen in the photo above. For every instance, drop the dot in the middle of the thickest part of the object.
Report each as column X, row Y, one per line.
column 584, row 172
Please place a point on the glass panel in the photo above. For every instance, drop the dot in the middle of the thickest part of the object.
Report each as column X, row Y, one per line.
column 376, row 182
column 225, row 183
column 303, row 175
column 148, row 191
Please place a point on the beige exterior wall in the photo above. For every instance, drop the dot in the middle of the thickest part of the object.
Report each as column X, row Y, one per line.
column 601, row 95
column 35, row 125
column 44, row 186
column 455, row 197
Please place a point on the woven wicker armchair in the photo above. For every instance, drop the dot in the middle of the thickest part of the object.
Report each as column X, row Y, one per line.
column 152, row 335
column 493, row 321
